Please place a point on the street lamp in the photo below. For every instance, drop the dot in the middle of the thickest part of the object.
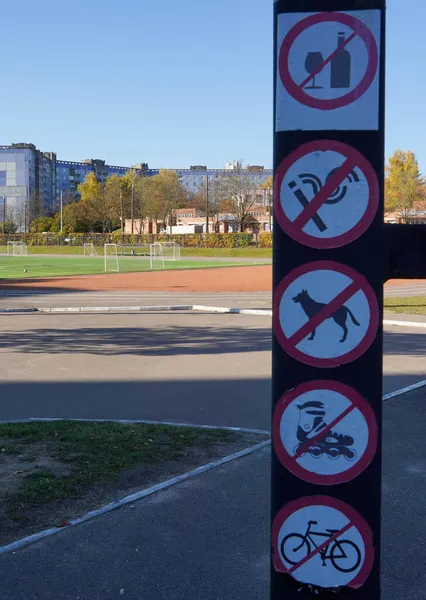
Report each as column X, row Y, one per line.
column 4, row 214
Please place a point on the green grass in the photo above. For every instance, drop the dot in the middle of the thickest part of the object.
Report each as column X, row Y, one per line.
column 92, row 453
column 189, row 252
column 54, row 266
column 415, row 305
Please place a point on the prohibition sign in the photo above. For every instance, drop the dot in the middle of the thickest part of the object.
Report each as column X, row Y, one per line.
column 322, row 541
column 345, row 295
column 358, row 29
column 304, row 430
column 353, row 196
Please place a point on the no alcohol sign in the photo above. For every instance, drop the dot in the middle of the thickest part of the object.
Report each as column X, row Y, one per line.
column 328, row 67
column 329, row 269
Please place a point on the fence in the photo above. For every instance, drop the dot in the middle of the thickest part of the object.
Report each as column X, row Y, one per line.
column 193, row 240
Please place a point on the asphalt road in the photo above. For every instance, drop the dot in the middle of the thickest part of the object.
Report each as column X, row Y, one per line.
column 209, row 537
column 190, row 367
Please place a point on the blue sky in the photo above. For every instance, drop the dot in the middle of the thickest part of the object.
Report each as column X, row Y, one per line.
column 170, row 83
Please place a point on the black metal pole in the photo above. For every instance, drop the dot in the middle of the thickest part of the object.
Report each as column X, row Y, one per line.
column 4, row 215
column 329, row 255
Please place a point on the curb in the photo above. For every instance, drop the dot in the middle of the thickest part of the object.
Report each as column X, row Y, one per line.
column 133, row 309
column 416, row 324
column 132, row 498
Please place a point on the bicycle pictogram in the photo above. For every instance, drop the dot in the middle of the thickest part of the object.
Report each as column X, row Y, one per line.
column 344, row 555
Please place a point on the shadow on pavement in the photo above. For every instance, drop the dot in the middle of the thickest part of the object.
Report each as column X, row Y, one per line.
column 158, row 341
column 405, row 342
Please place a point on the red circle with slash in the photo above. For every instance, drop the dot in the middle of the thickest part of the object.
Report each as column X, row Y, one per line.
column 359, row 283
column 342, row 509
column 352, row 159
column 357, row 402
column 359, row 29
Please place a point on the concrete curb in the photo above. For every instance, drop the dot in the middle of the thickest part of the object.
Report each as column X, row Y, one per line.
column 133, row 309
column 393, row 323
column 183, row 307
column 132, row 498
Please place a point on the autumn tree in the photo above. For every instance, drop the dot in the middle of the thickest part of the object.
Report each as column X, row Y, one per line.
column 237, row 194
column 404, row 185
column 165, row 196
column 268, row 187
column 36, row 207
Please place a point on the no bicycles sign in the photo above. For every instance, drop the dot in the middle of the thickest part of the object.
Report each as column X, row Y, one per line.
column 322, row 541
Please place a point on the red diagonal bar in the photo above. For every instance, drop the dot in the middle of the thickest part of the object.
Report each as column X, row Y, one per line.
column 319, row 199
column 324, row 313
column 323, row 432
column 321, row 547
column 328, row 60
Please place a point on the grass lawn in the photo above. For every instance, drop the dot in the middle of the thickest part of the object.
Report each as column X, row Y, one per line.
column 415, row 305
column 52, row 472
column 54, row 266
column 189, row 252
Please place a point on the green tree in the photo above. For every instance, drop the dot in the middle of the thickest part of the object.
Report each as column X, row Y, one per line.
column 36, row 208
column 404, row 185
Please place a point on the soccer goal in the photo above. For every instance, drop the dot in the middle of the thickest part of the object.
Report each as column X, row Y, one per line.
column 90, row 250
column 156, row 254
column 164, row 251
column 111, row 258
column 17, row 249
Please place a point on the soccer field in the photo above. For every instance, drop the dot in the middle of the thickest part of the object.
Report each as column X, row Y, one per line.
column 56, row 266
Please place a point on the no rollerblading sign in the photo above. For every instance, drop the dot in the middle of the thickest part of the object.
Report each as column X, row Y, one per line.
column 325, row 432
column 325, row 314
column 322, row 541
column 328, row 70
column 326, row 194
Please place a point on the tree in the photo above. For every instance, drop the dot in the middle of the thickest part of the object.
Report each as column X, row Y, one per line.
column 41, row 224
column 237, row 194
column 404, row 185
column 36, row 208
column 165, row 196
column 268, row 187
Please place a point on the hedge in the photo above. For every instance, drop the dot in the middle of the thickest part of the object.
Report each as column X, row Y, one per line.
column 193, row 240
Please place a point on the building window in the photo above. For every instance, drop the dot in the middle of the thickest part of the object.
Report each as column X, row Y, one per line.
column 2, row 177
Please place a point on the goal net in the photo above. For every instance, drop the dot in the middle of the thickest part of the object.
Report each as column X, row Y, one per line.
column 17, row 249
column 111, row 258
column 164, row 251
column 90, row 250
column 170, row 250
column 156, row 254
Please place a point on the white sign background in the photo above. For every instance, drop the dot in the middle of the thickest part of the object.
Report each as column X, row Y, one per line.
column 323, row 286
column 363, row 114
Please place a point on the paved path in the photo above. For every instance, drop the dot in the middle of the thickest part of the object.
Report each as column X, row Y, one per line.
column 198, row 368
column 209, row 537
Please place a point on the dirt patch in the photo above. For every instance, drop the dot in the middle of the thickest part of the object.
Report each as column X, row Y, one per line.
column 225, row 279
column 48, row 483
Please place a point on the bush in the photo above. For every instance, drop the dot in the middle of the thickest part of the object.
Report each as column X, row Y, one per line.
column 265, row 240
